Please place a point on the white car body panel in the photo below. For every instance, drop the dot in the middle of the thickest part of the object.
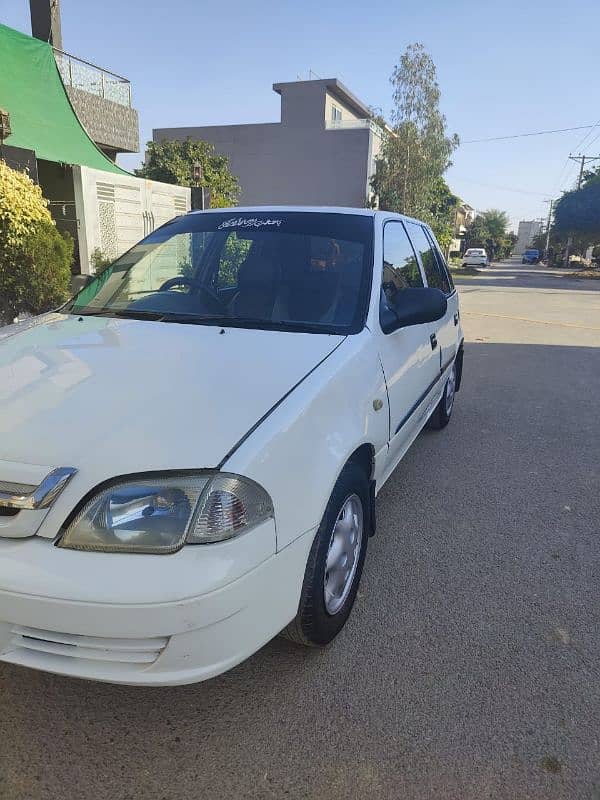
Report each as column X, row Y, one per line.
column 113, row 397
column 323, row 424
column 183, row 410
column 203, row 634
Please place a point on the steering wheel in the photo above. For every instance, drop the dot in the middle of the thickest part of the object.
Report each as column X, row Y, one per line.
column 214, row 303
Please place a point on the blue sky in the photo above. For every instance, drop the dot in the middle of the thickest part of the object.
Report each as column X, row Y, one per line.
column 503, row 68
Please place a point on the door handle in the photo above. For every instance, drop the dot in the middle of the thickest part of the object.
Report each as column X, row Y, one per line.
column 433, row 340
column 456, row 318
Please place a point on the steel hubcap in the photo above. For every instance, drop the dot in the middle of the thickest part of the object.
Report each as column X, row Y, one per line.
column 343, row 553
column 450, row 390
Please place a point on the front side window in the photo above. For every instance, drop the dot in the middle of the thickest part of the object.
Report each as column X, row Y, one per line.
column 400, row 267
column 285, row 270
column 436, row 276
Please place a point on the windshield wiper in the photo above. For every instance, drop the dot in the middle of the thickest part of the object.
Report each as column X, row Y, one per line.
column 119, row 313
column 238, row 322
column 207, row 319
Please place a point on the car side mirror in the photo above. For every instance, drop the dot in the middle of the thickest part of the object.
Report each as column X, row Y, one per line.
column 413, row 307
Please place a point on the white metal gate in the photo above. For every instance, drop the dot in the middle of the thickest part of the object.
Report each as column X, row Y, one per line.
column 116, row 211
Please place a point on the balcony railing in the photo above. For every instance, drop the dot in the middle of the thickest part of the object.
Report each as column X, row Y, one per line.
column 89, row 78
column 348, row 124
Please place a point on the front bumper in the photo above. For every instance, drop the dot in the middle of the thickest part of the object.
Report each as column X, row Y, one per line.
column 183, row 636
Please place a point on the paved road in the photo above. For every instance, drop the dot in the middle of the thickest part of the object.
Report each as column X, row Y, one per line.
column 470, row 668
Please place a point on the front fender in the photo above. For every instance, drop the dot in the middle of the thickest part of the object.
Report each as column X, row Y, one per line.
column 299, row 450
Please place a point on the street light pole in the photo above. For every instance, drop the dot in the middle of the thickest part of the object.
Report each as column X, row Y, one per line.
column 197, row 176
column 548, row 227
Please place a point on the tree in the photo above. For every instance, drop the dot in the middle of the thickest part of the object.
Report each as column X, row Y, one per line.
column 578, row 212
column 35, row 258
column 172, row 161
column 416, row 151
column 442, row 213
column 489, row 230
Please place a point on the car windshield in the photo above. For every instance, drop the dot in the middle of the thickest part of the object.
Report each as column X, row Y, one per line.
column 286, row 270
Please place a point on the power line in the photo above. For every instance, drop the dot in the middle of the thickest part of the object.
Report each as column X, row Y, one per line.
column 595, row 139
column 580, row 145
column 505, row 188
column 534, row 133
column 563, row 174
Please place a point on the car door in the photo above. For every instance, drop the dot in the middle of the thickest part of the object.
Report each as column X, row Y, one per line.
column 410, row 364
column 445, row 330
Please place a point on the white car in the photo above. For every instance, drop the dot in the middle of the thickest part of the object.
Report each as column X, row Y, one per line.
column 190, row 449
column 475, row 257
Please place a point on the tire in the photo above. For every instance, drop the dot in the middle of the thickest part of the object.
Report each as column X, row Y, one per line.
column 464, row 266
column 443, row 411
column 315, row 625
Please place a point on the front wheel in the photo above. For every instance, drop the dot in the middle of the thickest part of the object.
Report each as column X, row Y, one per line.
column 335, row 563
column 441, row 416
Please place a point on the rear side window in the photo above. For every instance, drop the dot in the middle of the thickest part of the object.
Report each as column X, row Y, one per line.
column 443, row 264
column 400, row 265
column 436, row 275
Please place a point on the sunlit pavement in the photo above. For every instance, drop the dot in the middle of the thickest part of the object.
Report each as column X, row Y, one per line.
column 470, row 667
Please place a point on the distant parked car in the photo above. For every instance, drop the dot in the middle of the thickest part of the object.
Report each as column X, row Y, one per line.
column 475, row 257
column 531, row 257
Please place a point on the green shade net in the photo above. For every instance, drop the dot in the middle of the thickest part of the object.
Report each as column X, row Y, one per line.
column 41, row 116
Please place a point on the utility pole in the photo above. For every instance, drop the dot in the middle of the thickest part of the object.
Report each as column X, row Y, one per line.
column 583, row 159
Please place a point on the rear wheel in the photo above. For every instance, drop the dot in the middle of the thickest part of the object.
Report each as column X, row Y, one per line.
column 335, row 563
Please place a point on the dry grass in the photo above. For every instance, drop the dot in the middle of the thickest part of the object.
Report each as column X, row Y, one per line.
column 590, row 273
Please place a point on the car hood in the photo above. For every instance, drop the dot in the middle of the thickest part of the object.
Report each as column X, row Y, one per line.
column 113, row 396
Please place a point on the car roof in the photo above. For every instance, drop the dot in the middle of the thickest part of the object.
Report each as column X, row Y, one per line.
column 364, row 212
column 367, row 212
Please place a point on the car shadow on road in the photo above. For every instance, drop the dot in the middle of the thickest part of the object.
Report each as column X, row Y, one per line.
column 465, row 663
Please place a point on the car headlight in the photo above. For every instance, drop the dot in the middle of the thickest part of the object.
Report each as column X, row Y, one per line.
column 161, row 514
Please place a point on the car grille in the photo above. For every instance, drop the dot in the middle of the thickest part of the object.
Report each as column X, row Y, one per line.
column 8, row 512
column 17, row 488
column 91, row 648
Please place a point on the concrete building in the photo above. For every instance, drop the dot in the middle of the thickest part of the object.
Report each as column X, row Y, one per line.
column 463, row 217
column 528, row 230
column 101, row 99
column 104, row 208
column 322, row 152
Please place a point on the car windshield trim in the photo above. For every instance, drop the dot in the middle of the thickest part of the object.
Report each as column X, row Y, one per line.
column 216, row 320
